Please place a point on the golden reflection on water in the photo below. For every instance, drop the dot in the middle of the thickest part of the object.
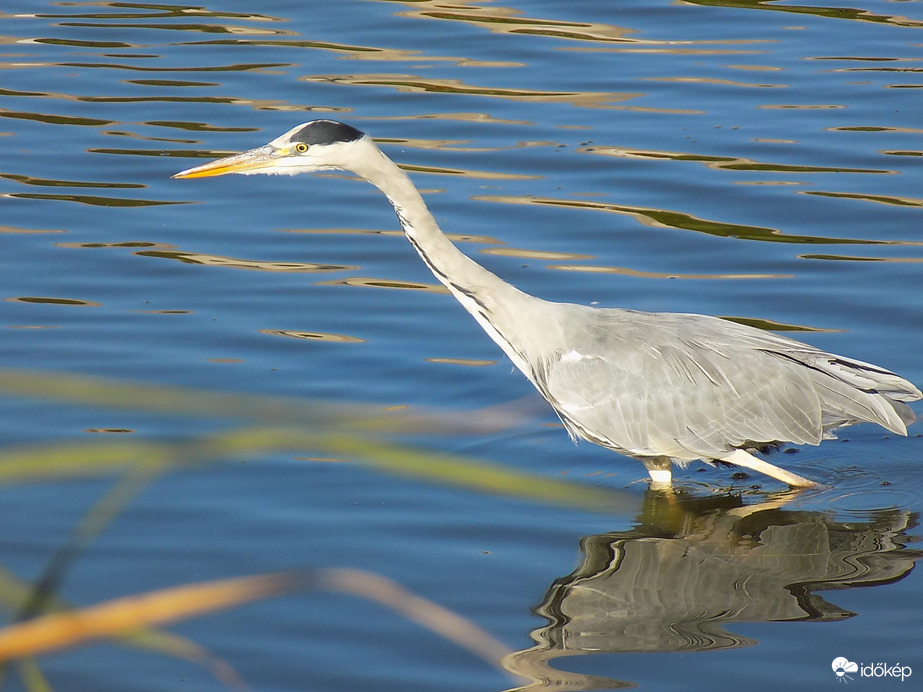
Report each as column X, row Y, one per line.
column 472, row 362
column 121, row 244
column 170, row 83
column 145, row 11
column 468, row 117
column 716, row 81
column 198, row 127
column 854, row 258
column 903, row 153
column 236, row 263
column 507, row 20
column 314, row 336
column 367, row 282
column 664, row 218
column 92, row 200
column 624, row 271
column 822, row 11
column 482, row 175
column 164, row 312
column 535, row 254
column 48, row 300
column 877, row 199
column 408, row 83
column 802, row 106
column 48, row 182
column 730, row 163
column 455, row 145
column 165, row 251
column 371, row 53
column 876, row 128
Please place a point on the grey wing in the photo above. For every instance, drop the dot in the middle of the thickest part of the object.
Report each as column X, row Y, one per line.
column 691, row 386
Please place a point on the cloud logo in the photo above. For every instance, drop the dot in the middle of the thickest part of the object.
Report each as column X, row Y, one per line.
column 842, row 666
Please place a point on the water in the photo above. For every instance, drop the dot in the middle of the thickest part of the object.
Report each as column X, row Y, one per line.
column 757, row 161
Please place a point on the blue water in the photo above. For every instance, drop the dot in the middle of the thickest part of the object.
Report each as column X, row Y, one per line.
column 759, row 161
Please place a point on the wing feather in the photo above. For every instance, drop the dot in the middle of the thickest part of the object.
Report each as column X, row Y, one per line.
column 691, row 386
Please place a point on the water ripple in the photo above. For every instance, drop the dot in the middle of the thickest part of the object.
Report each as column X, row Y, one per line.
column 678, row 220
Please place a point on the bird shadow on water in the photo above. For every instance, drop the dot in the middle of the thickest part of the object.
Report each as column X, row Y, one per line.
column 670, row 583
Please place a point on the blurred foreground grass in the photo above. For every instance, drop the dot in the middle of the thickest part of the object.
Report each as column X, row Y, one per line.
column 41, row 622
column 265, row 425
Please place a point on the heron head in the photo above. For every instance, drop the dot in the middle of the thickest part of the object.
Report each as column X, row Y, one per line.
column 315, row 146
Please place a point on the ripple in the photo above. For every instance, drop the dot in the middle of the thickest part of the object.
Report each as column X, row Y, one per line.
column 471, row 362
column 729, row 163
column 535, row 254
column 868, row 501
column 819, row 11
column 876, row 128
column 171, row 83
column 802, row 106
column 718, row 82
column 48, row 182
column 314, row 336
column 386, row 283
column 150, row 11
column 120, row 244
column 46, row 300
column 905, row 152
column 191, row 126
column 877, row 199
column 624, row 271
column 407, row 83
column 855, row 258
column 477, row 175
column 236, row 263
column 665, row 218
column 31, row 326
column 93, row 200
column 55, row 119
column 237, row 67
column 506, row 20
column 353, row 52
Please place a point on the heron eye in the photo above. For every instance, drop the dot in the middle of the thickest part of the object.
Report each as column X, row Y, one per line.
column 301, row 147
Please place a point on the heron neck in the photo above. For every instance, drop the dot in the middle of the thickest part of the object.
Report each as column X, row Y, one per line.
column 501, row 309
column 464, row 277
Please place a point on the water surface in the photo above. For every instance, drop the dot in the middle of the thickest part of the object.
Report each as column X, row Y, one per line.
column 759, row 161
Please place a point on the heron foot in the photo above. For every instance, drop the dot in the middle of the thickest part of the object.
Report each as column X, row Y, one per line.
column 747, row 460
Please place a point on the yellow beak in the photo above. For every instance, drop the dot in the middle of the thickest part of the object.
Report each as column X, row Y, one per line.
column 255, row 159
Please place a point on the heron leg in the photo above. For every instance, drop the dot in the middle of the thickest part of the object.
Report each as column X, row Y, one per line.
column 747, row 460
column 660, row 470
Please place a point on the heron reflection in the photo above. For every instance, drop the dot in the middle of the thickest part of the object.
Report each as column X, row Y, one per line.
column 692, row 568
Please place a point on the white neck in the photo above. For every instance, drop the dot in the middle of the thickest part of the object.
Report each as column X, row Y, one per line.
column 494, row 303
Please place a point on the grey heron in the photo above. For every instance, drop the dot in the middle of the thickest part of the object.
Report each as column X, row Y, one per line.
column 663, row 388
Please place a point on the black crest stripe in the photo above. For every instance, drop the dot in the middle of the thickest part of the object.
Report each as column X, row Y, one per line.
column 326, row 132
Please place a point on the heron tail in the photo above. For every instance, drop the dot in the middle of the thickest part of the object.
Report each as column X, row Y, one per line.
column 854, row 391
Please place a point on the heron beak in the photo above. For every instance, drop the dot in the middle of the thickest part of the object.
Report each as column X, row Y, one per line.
column 253, row 160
